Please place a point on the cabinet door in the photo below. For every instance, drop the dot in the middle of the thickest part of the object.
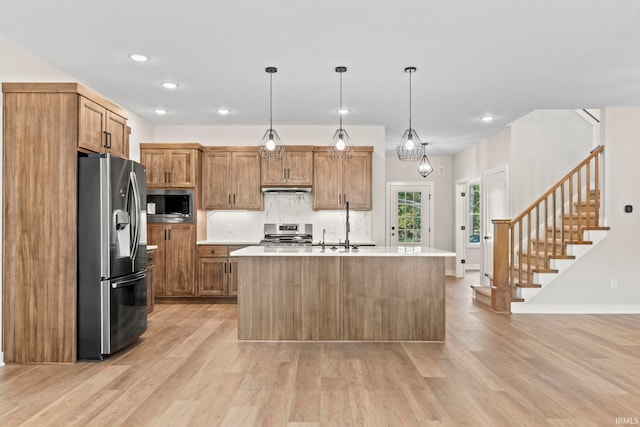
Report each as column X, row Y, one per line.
column 180, row 260
column 273, row 172
column 247, row 194
column 232, row 287
column 216, row 185
column 356, row 181
column 91, row 125
column 117, row 134
column 327, row 182
column 156, row 234
column 213, row 274
column 151, row 276
column 182, row 168
column 155, row 161
column 299, row 167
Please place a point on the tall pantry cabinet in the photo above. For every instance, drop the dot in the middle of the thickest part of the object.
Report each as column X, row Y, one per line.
column 45, row 127
column 175, row 166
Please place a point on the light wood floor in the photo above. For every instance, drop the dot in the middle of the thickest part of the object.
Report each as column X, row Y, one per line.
column 493, row 370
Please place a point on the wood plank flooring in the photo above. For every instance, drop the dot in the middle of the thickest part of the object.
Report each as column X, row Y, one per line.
column 188, row 369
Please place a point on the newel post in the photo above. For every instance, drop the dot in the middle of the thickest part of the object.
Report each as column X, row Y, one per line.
column 501, row 289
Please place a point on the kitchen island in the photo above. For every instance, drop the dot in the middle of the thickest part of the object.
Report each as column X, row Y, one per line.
column 310, row 293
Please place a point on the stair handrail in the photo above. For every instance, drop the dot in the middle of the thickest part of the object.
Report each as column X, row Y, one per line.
column 504, row 271
column 594, row 153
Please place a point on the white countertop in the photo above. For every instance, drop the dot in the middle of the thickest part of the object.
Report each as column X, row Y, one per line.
column 378, row 251
column 152, row 247
column 226, row 242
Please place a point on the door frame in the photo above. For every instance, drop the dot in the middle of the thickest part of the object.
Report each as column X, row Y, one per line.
column 388, row 203
column 461, row 219
column 484, row 256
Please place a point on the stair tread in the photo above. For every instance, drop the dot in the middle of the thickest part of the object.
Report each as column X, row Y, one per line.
column 525, row 269
column 482, row 289
column 528, row 285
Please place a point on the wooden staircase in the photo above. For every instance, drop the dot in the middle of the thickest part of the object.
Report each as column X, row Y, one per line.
column 541, row 242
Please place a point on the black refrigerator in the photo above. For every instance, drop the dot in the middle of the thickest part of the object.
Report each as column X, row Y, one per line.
column 112, row 263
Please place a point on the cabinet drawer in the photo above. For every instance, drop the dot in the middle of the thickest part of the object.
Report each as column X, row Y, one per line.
column 209, row 251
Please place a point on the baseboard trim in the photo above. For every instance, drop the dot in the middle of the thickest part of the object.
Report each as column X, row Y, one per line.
column 525, row 308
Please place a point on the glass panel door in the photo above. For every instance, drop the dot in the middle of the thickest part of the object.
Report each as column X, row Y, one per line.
column 409, row 219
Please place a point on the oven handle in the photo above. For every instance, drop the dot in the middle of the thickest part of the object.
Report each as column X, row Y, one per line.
column 130, row 280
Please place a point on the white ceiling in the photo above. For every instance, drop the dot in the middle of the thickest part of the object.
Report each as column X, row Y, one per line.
column 498, row 57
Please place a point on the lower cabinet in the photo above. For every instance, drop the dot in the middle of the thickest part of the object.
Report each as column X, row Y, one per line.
column 217, row 272
column 174, row 270
column 151, row 276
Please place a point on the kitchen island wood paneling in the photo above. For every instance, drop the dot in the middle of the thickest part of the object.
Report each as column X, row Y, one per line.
column 371, row 294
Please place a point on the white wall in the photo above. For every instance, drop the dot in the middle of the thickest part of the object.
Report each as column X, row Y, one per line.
column 218, row 222
column 586, row 286
column 545, row 146
column 489, row 154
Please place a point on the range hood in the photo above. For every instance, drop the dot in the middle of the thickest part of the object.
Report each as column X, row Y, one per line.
column 295, row 190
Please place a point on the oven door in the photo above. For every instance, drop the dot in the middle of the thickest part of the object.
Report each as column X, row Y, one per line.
column 124, row 312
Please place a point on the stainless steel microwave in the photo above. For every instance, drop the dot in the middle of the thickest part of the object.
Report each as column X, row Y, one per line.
column 170, row 205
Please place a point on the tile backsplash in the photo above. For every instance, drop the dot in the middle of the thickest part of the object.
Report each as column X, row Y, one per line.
column 247, row 226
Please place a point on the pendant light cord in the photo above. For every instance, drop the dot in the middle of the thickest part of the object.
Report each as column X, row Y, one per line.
column 340, row 113
column 410, row 72
column 270, row 101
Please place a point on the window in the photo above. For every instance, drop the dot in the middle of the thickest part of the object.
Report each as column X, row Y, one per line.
column 474, row 215
column 410, row 217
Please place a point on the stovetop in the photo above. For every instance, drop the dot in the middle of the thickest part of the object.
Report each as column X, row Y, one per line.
column 287, row 235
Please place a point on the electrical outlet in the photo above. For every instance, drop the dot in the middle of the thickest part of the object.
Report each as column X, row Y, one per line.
column 614, row 283
column 229, row 228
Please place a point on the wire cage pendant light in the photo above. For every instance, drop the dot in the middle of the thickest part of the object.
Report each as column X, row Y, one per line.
column 410, row 148
column 424, row 167
column 341, row 147
column 271, row 147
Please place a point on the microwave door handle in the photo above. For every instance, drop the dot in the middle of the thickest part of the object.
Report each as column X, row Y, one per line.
column 138, row 213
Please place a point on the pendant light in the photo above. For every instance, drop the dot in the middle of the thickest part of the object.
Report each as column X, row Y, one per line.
column 341, row 147
column 424, row 167
column 271, row 147
column 410, row 148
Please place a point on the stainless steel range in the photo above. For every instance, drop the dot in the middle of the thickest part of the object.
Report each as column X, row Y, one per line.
column 287, row 235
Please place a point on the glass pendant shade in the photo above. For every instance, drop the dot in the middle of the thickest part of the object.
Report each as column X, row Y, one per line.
column 410, row 147
column 341, row 147
column 271, row 147
column 424, row 167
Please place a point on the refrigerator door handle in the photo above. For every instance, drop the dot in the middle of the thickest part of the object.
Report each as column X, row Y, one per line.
column 137, row 213
column 130, row 280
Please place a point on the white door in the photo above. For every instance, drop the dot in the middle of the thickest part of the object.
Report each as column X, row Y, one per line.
column 495, row 206
column 410, row 213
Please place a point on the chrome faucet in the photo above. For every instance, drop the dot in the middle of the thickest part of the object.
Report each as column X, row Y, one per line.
column 347, row 227
column 323, row 233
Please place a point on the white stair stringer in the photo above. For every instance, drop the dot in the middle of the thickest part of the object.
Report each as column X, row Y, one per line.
column 562, row 265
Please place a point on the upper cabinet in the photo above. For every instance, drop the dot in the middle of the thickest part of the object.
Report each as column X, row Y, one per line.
column 295, row 169
column 339, row 181
column 100, row 130
column 231, row 178
column 170, row 165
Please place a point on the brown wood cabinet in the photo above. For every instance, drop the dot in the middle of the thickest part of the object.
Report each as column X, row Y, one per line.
column 294, row 169
column 151, row 276
column 174, row 271
column 101, row 130
column 231, row 178
column 338, row 181
column 217, row 272
column 42, row 134
column 170, row 165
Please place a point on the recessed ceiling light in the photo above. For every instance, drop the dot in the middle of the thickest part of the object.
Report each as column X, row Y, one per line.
column 160, row 111
column 169, row 85
column 223, row 111
column 138, row 57
column 343, row 111
column 487, row 118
